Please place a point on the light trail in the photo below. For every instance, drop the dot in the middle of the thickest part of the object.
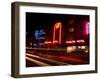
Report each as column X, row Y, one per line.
column 37, row 62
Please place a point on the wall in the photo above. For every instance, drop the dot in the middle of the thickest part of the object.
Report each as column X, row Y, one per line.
column 5, row 40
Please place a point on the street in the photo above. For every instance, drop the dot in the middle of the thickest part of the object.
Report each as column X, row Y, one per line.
column 47, row 58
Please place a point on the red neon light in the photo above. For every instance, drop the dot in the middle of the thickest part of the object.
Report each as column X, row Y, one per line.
column 58, row 25
column 80, row 41
column 73, row 41
column 47, row 42
column 53, row 35
column 60, row 33
column 87, row 28
column 55, row 41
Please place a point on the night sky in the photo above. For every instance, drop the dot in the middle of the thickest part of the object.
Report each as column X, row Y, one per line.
column 39, row 21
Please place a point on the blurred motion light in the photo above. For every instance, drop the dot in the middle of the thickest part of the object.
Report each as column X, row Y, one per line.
column 71, row 48
column 86, row 51
column 83, row 47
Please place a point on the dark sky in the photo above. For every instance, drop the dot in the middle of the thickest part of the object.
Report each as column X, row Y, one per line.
column 36, row 21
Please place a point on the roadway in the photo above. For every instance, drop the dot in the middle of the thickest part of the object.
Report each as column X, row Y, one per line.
column 45, row 58
column 34, row 60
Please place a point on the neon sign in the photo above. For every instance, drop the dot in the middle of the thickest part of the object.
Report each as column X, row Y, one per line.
column 57, row 26
column 87, row 28
column 73, row 41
